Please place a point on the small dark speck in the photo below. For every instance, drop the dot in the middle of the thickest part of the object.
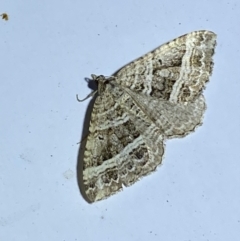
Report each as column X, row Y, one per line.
column 179, row 23
column 4, row 16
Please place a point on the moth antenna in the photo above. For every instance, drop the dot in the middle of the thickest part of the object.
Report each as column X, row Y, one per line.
column 88, row 96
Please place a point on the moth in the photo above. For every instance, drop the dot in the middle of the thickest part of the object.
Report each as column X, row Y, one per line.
column 154, row 98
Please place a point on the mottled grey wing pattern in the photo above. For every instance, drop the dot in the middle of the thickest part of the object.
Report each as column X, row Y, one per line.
column 173, row 119
column 156, row 97
column 176, row 71
column 122, row 146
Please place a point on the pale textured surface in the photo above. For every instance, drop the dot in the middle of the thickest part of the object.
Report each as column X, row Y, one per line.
column 156, row 97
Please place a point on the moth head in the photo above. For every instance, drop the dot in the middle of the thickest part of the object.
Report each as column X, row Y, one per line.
column 103, row 82
column 99, row 78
